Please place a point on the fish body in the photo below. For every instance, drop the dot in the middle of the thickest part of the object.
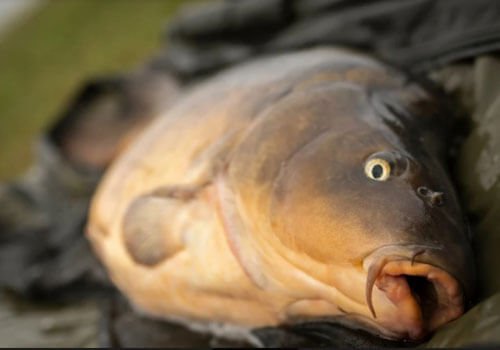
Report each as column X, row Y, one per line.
column 297, row 187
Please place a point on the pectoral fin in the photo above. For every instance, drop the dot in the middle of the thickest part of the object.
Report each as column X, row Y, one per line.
column 152, row 231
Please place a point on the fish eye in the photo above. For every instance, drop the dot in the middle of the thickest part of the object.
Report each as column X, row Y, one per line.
column 378, row 169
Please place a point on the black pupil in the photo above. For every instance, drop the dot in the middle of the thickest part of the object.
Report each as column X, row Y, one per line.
column 377, row 171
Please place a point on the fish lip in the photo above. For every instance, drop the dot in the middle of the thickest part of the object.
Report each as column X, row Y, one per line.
column 391, row 274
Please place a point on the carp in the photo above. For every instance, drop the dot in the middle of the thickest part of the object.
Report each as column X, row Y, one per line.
column 302, row 186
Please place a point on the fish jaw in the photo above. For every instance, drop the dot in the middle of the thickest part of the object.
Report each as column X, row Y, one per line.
column 411, row 299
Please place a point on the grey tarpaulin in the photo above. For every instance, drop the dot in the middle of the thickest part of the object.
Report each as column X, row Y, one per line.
column 416, row 34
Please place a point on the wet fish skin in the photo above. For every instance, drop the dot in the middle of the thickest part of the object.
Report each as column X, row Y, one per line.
column 258, row 179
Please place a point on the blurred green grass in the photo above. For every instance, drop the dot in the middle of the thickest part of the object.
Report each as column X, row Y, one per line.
column 44, row 60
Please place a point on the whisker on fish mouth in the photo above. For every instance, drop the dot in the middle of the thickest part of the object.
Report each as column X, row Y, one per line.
column 373, row 273
column 417, row 253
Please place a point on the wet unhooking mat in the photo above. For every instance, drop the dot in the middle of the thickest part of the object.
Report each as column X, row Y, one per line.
column 453, row 42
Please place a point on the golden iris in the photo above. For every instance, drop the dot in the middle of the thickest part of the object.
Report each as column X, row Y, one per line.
column 378, row 169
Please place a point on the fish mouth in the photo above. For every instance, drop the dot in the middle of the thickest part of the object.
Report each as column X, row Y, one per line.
column 425, row 296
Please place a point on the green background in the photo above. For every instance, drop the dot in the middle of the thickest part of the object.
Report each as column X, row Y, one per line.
column 45, row 58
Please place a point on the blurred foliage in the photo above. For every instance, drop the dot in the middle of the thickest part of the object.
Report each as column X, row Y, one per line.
column 44, row 59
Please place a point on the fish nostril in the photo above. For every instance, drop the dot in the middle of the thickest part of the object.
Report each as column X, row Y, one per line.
column 437, row 198
column 434, row 198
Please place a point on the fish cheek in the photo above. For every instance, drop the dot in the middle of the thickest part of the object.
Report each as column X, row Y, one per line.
column 309, row 216
column 380, row 212
column 330, row 211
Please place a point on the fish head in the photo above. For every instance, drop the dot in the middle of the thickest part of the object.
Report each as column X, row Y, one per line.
column 376, row 209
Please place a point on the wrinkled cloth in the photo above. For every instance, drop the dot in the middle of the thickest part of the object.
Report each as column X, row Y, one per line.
column 475, row 86
column 48, row 325
column 42, row 249
column 418, row 35
column 478, row 327
column 126, row 328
